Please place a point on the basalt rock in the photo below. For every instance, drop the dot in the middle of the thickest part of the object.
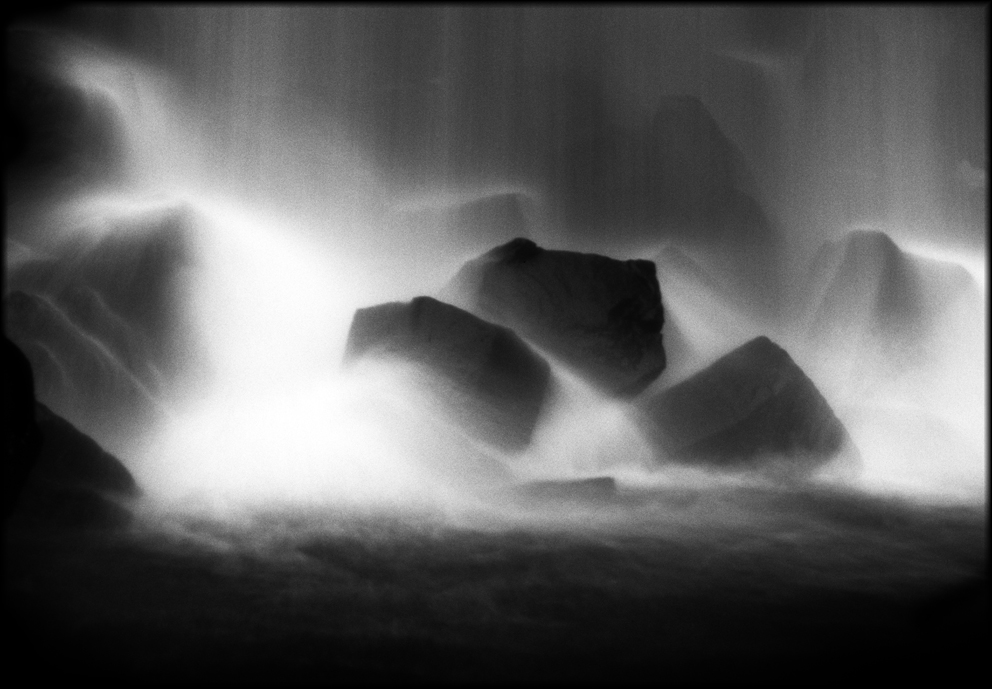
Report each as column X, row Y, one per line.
column 56, row 475
column 600, row 316
column 483, row 375
column 750, row 407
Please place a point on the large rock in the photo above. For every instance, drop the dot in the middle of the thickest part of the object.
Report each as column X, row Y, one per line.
column 22, row 437
column 55, row 474
column 600, row 316
column 102, row 316
column 62, row 133
column 483, row 375
column 751, row 406
column 878, row 315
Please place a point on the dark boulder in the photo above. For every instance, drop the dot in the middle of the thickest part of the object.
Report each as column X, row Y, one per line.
column 602, row 317
column 482, row 375
column 55, row 474
column 61, row 135
column 752, row 406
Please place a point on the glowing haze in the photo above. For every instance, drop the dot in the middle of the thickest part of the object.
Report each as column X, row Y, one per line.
column 298, row 222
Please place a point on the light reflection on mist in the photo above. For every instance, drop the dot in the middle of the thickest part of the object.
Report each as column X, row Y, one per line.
column 284, row 260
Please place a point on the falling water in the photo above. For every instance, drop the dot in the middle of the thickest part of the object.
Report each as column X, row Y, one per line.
column 296, row 138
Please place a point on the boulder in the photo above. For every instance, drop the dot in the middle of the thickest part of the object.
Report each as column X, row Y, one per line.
column 62, row 135
column 600, row 316
column 56, row 474
column 878, row 316
column 751, row 406
column 101, row 316
column 460, row 228
column 483, row 375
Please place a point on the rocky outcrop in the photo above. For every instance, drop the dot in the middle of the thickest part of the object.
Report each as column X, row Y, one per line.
column 750, row 407
column 62, row 135
column 101, row 318
column 56, row 475
column 483, row 375
column 877, row 313
column 600, row 316
column 694, row 159
column 470, row 225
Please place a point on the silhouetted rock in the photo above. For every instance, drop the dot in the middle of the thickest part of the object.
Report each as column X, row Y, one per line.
column 22, row 434
column 602, row 317
column 484, row 375
column 61, row 135
column 55, row 474
column 101, row 319
column 751, row 406
column 694, row 159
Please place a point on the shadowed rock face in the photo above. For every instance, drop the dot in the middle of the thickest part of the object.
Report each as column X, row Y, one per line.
column 60, row 135
column 602, row 317
column 101, row 320
column 749, row 406
column 56, row 475
column 483, row 375
column 878, row 312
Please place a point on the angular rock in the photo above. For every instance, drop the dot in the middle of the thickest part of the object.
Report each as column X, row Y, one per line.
column 600, row 316
column 101, row 318
column 484, row 375
column 55, row 474
column 750, row 406
column 878, row 314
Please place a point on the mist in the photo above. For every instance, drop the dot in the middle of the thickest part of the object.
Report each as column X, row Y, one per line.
column 207, row 204
column 311, row 154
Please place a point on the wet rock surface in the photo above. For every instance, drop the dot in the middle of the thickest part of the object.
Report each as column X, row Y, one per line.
column 55, row 474
column 483, row 375
column 101, row 319
column 600, row 316
column 748, row 407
